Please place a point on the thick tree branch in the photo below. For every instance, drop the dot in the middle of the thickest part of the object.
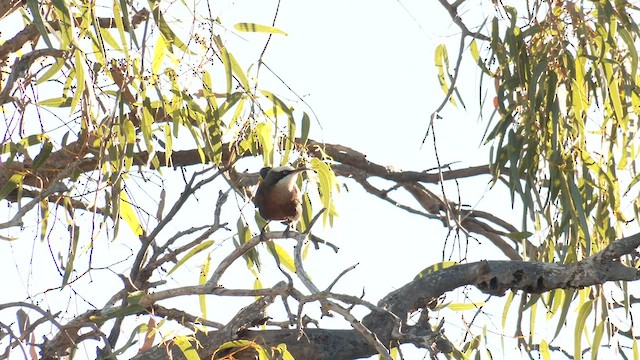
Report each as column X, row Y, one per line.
column 492, row 277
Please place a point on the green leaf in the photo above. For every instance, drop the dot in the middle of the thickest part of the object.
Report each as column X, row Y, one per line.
column 471, row 346
column 632, row 50
column 519, row 235
column 127, row 22
column 566, row 303
column 145, row 125
column 73, row 249
column 239, row 73
column 106, row 36
column 44, row 218
column 79, row 71
column 118, row 15
column 505, row 310
column 168, row 144
column 226, row 61
column 195, row 250
column 614, row 91
column 33, row 140
column 304, row 128
column 583, row 312
column 14, row 181
column 53, row 69
column 251, row 27
column 43, row 155
column 597, row 338
column 34, row 8
column 170, row 37
column 64, row 22
column 577, row 200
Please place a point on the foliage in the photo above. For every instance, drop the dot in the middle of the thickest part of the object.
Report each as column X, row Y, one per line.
column 563, row 132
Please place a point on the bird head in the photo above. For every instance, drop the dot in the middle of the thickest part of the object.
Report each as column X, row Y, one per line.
column 285, row 174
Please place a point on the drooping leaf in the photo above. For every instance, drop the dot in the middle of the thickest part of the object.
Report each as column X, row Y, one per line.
column 34, row 8
column 583, row 312
column 13, row 183
column 202, row 279
column 128, row 214
column 283, row 257
column 40, row 159
column 186, row 347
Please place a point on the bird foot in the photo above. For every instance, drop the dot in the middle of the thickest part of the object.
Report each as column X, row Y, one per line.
column 287, row 230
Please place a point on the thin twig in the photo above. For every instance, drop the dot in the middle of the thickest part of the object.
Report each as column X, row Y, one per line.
column 340, row 276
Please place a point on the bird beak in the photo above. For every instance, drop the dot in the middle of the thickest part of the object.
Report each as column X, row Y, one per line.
column 303, row 169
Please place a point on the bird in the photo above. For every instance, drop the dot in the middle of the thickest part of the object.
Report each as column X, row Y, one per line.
column 278, row 196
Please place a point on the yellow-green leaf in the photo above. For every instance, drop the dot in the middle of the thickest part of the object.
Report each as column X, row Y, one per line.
column 14, row 181
column 64, row 22
column 202, row 279
column 264, row 132
column 168, row 144
column 284, row 353
column 464, row 307
column 129, row 215
column 284, row 257
column 235, row 66
column 56, row 102
column 187, row 349
column 614, row 91
column 170, row 37
column 53, row 69
column 158, row 54
column 435, row 267
column 544, row 350
column 583, row 312
column 196, row 249
column 475, row 54
column 441, row 59
column 79, row 71
column 68, row 267
column 597, row 338
column 505, row 311
column 251, row 27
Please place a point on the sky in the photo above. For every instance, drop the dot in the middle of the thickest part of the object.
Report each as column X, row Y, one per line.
column 366, row 70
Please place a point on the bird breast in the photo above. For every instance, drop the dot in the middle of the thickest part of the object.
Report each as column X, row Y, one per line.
column 282, row 201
